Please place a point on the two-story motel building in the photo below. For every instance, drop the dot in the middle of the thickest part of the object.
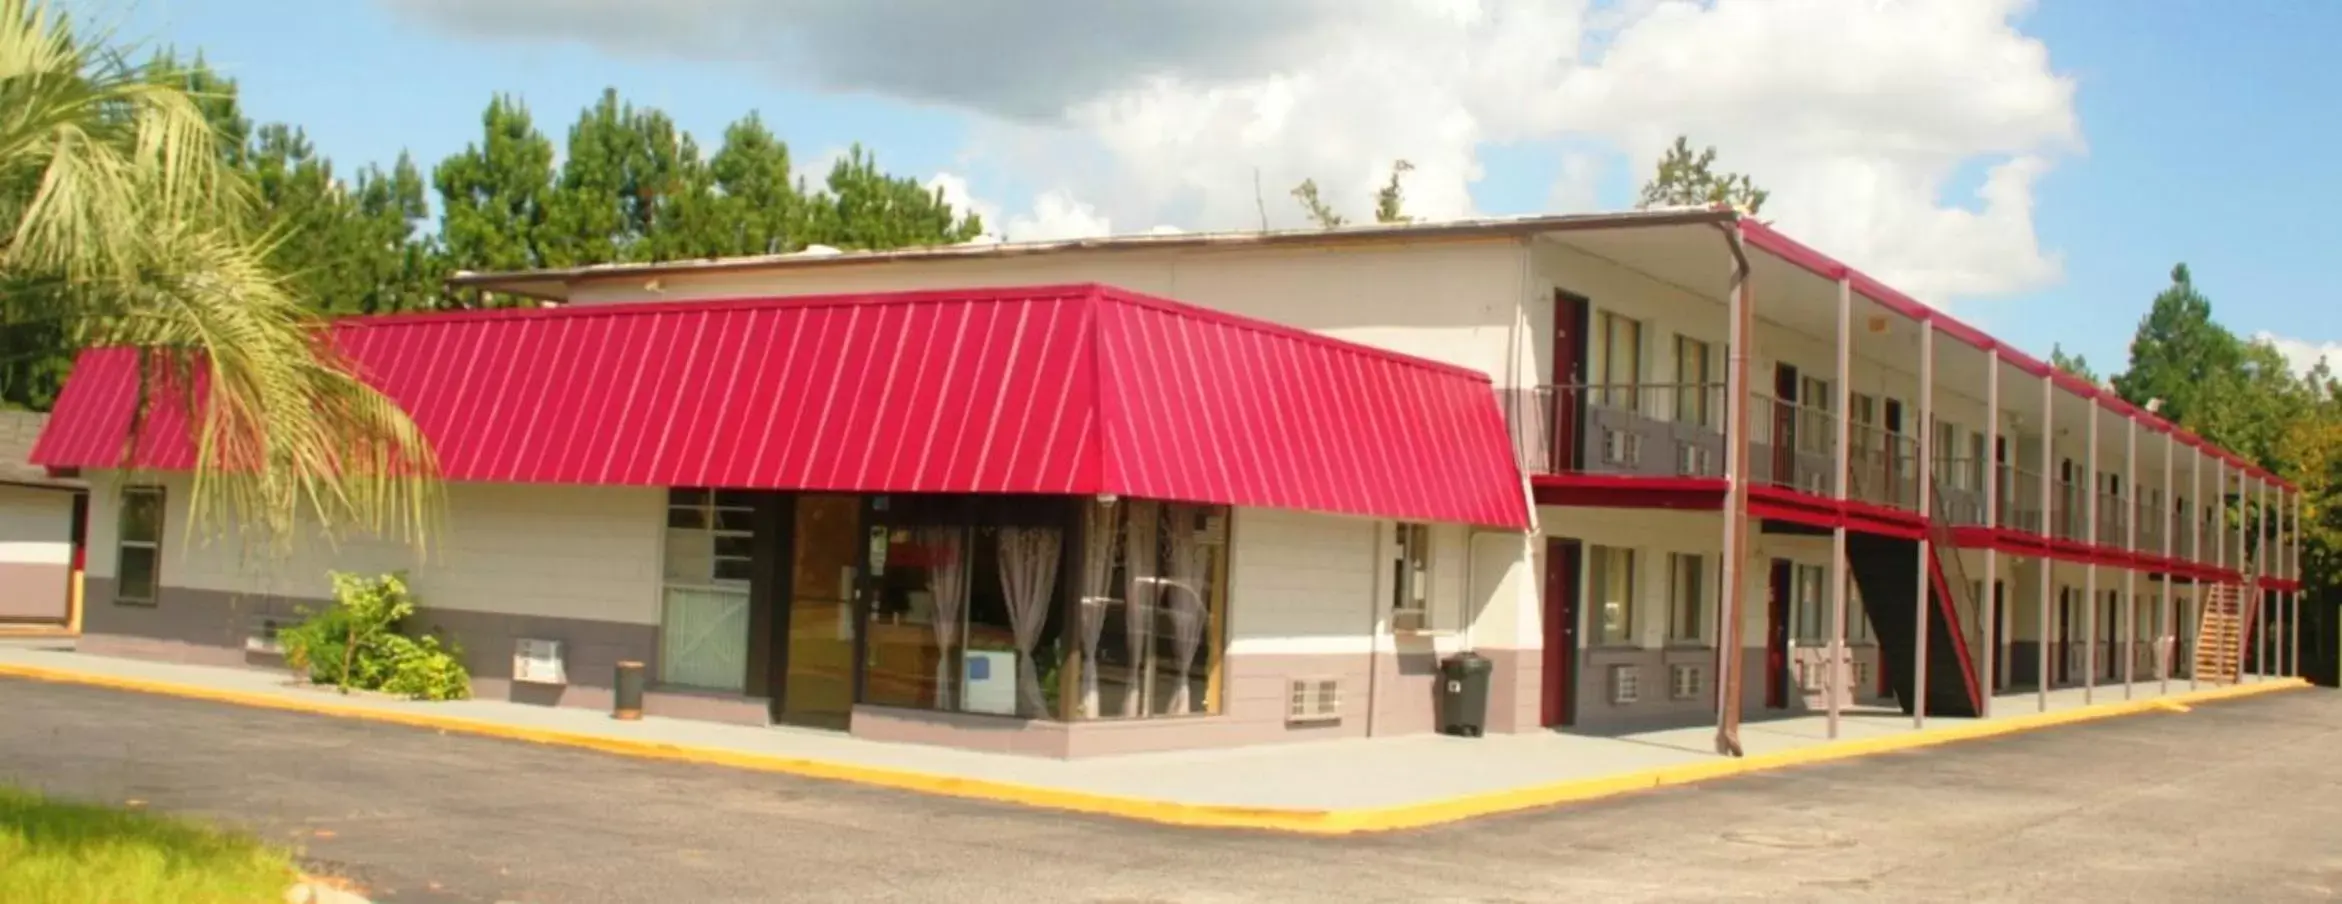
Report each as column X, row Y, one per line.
column 1183, row 491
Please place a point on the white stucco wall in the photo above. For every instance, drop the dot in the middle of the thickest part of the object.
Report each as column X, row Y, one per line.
column 566, row 552
column 1304, row 583
column 36, row 526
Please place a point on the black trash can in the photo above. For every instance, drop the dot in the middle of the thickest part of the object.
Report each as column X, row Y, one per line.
column 1463, row 694
column 626, row 696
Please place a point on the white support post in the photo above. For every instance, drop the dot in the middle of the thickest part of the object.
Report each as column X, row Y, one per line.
column 2131, row 496
column 2260, row 548
column 2041, row 644
column 1988, row 609
column 1740, row 306
column 1842, row 410
column 2090, row 569
column 2293, row 573
column 2244, row 575
column 2195, row 556
column 1926, row 479
column 2167, row 634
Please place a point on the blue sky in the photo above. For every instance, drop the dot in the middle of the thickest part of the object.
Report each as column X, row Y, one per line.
column 2203, row 132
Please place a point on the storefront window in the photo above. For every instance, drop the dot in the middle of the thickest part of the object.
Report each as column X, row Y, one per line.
column 966, row 613
column 1153, row 609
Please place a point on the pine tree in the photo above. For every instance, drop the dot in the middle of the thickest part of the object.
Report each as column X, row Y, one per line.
column 493, row 194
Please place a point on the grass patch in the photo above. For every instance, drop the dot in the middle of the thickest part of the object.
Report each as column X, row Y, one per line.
column 65, row 853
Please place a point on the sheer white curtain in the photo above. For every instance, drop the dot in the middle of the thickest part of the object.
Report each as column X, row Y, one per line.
column 1138, row 612
column 1097, row 579
column 1028, row 577
column 1188, row 612
column 949, row 577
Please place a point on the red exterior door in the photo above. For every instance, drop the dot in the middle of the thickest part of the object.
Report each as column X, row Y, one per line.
column 1567, row 402
column 1562, row 566
column 1777, row 638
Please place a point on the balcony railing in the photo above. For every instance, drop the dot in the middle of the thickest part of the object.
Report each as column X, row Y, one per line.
column 2020, row 499
column 1795, row 447
column 1646, row 429
column 1677, row 430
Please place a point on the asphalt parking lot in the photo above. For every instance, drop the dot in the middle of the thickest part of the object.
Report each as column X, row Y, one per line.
column 2233, row 801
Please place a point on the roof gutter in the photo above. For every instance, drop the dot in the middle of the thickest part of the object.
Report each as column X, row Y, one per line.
column 1449, row 231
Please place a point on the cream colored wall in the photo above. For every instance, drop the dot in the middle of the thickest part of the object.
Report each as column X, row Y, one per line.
column 36, row 526
column 1452, row 301
column 1654, row 534
column 1667, row 310
column 1302, row 583
column 555, row 551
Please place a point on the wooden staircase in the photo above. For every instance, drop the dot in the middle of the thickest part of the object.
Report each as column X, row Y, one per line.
column 2221, row 633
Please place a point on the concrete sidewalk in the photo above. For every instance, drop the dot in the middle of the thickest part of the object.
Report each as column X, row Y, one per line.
column 1328, row 787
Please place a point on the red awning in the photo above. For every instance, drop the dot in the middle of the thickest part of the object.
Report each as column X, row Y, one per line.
column 1059, row 389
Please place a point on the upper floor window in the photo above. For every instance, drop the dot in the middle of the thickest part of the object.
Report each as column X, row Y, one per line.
column 1620, row 374
column 139, row 546
column 1694, row 369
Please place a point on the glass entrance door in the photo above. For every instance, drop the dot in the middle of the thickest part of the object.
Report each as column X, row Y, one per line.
column 825, row 585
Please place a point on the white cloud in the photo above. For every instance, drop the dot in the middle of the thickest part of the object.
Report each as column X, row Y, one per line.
column 1859, row 115
column 1053, row 215
column 2304, row 354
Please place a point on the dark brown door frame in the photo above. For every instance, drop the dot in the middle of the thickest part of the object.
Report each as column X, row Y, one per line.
column 769, row 575
column 1777, row 665
column 1784, row 425
column 1564, row 568
column 1572, row 319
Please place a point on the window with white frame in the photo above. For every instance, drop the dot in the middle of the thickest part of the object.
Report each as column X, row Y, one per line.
column 1620, row 376
column 1411, row 578
column 703, row 611
column 1686, row 598
column 1809, row 605
column 1611, row 582
column 1972, row 470
column 1693, row 372
column 1857, row 616
column 139, row 547
column 1815, row 400
column 1946, row 451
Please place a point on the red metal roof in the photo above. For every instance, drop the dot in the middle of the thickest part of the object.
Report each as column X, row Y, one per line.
column 1078, row 389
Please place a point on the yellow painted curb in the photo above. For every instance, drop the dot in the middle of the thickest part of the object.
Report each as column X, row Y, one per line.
column 1297, row 821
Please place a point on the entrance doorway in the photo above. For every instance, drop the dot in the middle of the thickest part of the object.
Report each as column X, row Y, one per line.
column 1784, row 426
column 1569, row 378
column 1564, row 560
column 820, row 612
column 1777, row 637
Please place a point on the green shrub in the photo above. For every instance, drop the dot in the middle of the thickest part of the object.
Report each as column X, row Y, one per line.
column 356, row 643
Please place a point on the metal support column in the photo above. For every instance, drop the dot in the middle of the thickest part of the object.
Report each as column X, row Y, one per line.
column 2166, row 633
column 2048, row 532
column 2130, row 544
column 1926, row 479
column 1740, row 305
column 1988, row 609
column 2090, row 569
column 2195, row 556
column 1842, row 409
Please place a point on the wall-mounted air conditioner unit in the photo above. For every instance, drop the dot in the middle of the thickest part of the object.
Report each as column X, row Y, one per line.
column 536, row 661
column 1313, row 701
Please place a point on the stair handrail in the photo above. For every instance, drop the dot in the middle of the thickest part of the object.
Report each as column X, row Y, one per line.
column 1967, row 610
